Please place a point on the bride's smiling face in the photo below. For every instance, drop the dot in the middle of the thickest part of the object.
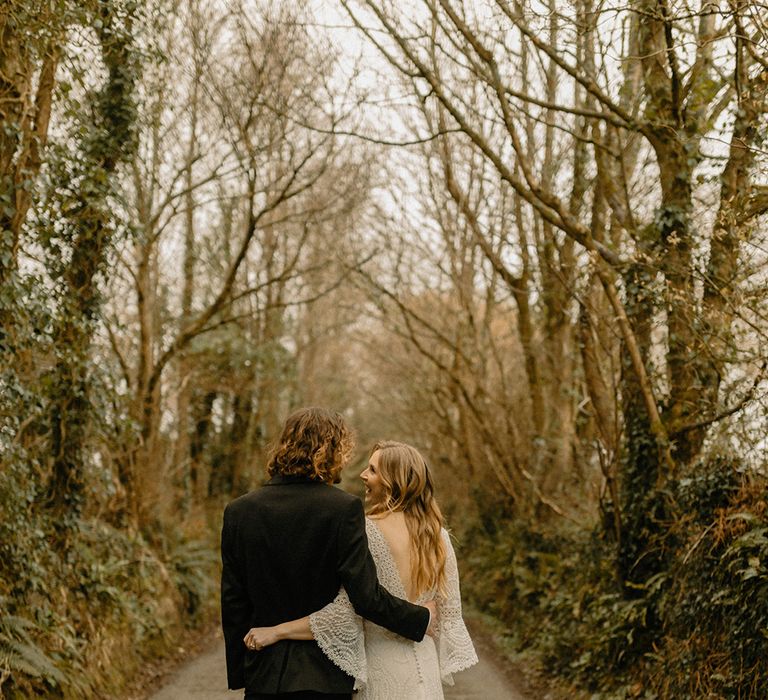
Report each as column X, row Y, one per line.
column 374, row 486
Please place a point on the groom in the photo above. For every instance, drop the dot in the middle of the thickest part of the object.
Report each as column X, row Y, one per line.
column 286, row 549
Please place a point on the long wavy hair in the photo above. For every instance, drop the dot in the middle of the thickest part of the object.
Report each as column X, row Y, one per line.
column 316, row 443
column 408, row 487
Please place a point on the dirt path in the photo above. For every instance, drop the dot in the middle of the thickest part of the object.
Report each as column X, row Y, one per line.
column 203, row 678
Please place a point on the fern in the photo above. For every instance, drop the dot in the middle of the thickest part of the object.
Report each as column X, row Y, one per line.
column 20, row 655
column 193, row 564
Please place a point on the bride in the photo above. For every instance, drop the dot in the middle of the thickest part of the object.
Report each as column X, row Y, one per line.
column 414, row 560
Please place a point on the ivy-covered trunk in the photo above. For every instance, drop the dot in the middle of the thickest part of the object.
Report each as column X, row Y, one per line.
column 88, row 235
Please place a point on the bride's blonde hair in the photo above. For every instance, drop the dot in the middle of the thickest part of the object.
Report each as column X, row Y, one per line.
column 408, row 487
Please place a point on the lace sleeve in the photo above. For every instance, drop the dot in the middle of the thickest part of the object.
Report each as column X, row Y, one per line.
column 454, row 647
column 338, row 632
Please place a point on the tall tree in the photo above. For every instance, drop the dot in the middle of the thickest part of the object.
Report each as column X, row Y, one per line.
column 79, row 246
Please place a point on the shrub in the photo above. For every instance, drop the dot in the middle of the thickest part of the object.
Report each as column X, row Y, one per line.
column 698, row 629
column 116, row 603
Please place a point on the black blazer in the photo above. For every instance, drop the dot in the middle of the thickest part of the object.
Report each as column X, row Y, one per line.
column 286, row 549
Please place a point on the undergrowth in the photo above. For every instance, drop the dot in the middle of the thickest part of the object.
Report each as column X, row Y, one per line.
column 80, row 622
column 698, row 629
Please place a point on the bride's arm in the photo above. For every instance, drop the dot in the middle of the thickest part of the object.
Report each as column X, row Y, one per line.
column 336, row 628
column 338, row 631
column 260, row 637
column 454, row 647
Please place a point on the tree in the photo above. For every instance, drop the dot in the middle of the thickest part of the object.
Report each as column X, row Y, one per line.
column 640, row 125
column 76, row 232
column 230, row 171
column 27, row 81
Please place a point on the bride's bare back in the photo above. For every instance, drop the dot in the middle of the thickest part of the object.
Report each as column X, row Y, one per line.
column 395, row 532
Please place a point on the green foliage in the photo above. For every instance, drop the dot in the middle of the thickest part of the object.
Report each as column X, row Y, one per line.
column 716, row 611
column 704, row 493
column 22, row 446
column 696, row 629
column 20, row 655
column 192, row 564
column 116, row 602
column 558, row 592
column 82, row 602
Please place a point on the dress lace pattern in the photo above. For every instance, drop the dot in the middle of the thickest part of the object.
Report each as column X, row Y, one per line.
column 384, row 665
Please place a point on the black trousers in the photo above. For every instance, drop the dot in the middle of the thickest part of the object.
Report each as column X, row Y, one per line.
column 300, row 695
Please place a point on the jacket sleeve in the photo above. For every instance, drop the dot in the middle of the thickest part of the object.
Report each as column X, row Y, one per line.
column 235, row 605
column 358, row 576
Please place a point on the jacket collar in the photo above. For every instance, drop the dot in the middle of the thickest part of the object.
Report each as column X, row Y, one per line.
column 280, row 479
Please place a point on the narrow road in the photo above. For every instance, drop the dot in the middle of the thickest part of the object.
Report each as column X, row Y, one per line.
column 204, row 678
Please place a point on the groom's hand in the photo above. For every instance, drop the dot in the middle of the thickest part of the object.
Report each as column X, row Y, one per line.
column 432, row 607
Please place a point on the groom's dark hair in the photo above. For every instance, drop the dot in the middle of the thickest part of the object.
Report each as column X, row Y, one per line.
column 316, row 443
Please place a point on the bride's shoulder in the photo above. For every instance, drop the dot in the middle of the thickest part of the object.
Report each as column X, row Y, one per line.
column 376, row 540
column 374, row 522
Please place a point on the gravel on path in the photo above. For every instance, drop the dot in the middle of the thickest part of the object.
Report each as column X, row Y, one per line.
column 204, row 678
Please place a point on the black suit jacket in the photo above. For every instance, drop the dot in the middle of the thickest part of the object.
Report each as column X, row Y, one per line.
column 286, row 549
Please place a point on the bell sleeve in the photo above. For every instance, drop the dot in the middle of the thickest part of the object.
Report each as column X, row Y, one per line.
column 454, row 647
column 338, row 631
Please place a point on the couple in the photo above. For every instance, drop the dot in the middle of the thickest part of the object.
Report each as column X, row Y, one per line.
column 301, row 563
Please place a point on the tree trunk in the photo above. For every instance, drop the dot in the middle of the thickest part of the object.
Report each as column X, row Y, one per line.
column 198, row 475
column 91, row 232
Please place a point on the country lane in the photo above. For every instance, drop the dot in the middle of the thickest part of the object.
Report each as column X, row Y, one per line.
column 203, row 678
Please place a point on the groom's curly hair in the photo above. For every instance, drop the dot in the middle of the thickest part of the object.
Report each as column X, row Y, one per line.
column 316, row 443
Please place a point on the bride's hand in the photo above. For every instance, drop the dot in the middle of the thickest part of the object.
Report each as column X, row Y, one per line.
column 431, row 605
column 260, row 637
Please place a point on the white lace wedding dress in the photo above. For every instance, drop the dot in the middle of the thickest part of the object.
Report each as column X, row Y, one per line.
column 384, row 665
